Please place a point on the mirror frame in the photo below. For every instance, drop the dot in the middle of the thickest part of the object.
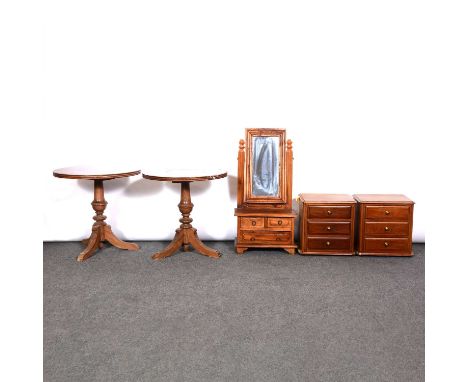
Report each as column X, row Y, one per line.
column 282, row 192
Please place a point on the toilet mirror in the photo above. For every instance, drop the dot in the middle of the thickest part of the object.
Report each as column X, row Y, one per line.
column 265, row 152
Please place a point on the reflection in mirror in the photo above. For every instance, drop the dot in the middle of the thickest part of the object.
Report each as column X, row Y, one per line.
column 265, row 166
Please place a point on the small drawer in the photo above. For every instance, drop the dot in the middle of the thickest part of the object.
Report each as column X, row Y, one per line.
column 279, row 222
column 329, row 212
column 386, row 229
column 328, row 243
column 387, row 245
column 265, row 236
column 252, row 223
column 328, row 228
column 388, row 212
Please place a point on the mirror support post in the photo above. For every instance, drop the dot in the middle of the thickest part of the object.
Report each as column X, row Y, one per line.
column 289, row 171
column 240, row 173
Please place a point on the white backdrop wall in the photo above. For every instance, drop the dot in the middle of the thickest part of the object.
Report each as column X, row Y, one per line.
column 174, row 84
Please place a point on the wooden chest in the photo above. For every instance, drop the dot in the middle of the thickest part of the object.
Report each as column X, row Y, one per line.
column 385, row 225
column 265, row 228
column 326, row 224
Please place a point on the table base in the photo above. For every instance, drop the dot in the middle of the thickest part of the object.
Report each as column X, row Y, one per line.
column 186, row 235
column 97, row 238
column 101, row 231
column 185, row 238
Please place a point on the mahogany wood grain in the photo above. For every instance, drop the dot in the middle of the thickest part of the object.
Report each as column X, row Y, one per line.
column 329, row 212
column 265, row 236
column 264, row 211
column 179, row 176
column 264, row 221
column 385, row 225
column 390, row 228
column 386, row 245
column 327, row 224
column 254, row 222
column 92, row 173
column 186, row 235
column 240, row 173
column 278, row 222
column 387, row 212
column 100, row 231
column 282, row 198
column 383, row 198
column 326, row 198
column 328, row 227
column 289, row 174
column 329, row 243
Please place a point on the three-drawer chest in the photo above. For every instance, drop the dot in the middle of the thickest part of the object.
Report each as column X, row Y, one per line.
column 326, row 224
column 385, row 225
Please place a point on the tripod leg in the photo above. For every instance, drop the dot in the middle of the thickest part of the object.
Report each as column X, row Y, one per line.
column 200, row 247
column 116, row 242
column 93, row 244
column 173, row 246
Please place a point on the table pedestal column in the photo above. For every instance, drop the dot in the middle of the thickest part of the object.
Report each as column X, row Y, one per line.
column 101, row 231
column 186, row 235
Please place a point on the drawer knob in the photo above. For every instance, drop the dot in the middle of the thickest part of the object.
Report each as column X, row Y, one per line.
column 280, row 222
column 328, row 228
column 386, row 244
column 278, row 238
column 252, row 239
column 329, row 212
column 328, row 243
column 387, row 229
column 387, row 212
column 254, row 222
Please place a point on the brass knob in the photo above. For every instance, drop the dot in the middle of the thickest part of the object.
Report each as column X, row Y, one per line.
column 387, row 212
column 329, row 212
column 387, row 229
column 386, row 244
column 280, row 222
column 328, row 228
column 328, row 243
column 252, row 239
column 278, row 238
column 254, row 222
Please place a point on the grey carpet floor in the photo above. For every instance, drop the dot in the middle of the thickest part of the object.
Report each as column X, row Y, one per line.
column 263, row 316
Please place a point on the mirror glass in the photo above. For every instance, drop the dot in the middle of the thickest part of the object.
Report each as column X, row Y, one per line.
column 265, row 166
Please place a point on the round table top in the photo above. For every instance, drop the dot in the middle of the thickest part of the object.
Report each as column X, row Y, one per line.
column 184, row 175
column 93, row 172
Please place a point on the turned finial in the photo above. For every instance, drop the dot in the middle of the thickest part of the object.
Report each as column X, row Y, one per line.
column 241, row 144
column 289, row 144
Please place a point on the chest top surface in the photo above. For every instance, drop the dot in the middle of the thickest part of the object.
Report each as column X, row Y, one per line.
column 383, row 198
column 326, row 198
